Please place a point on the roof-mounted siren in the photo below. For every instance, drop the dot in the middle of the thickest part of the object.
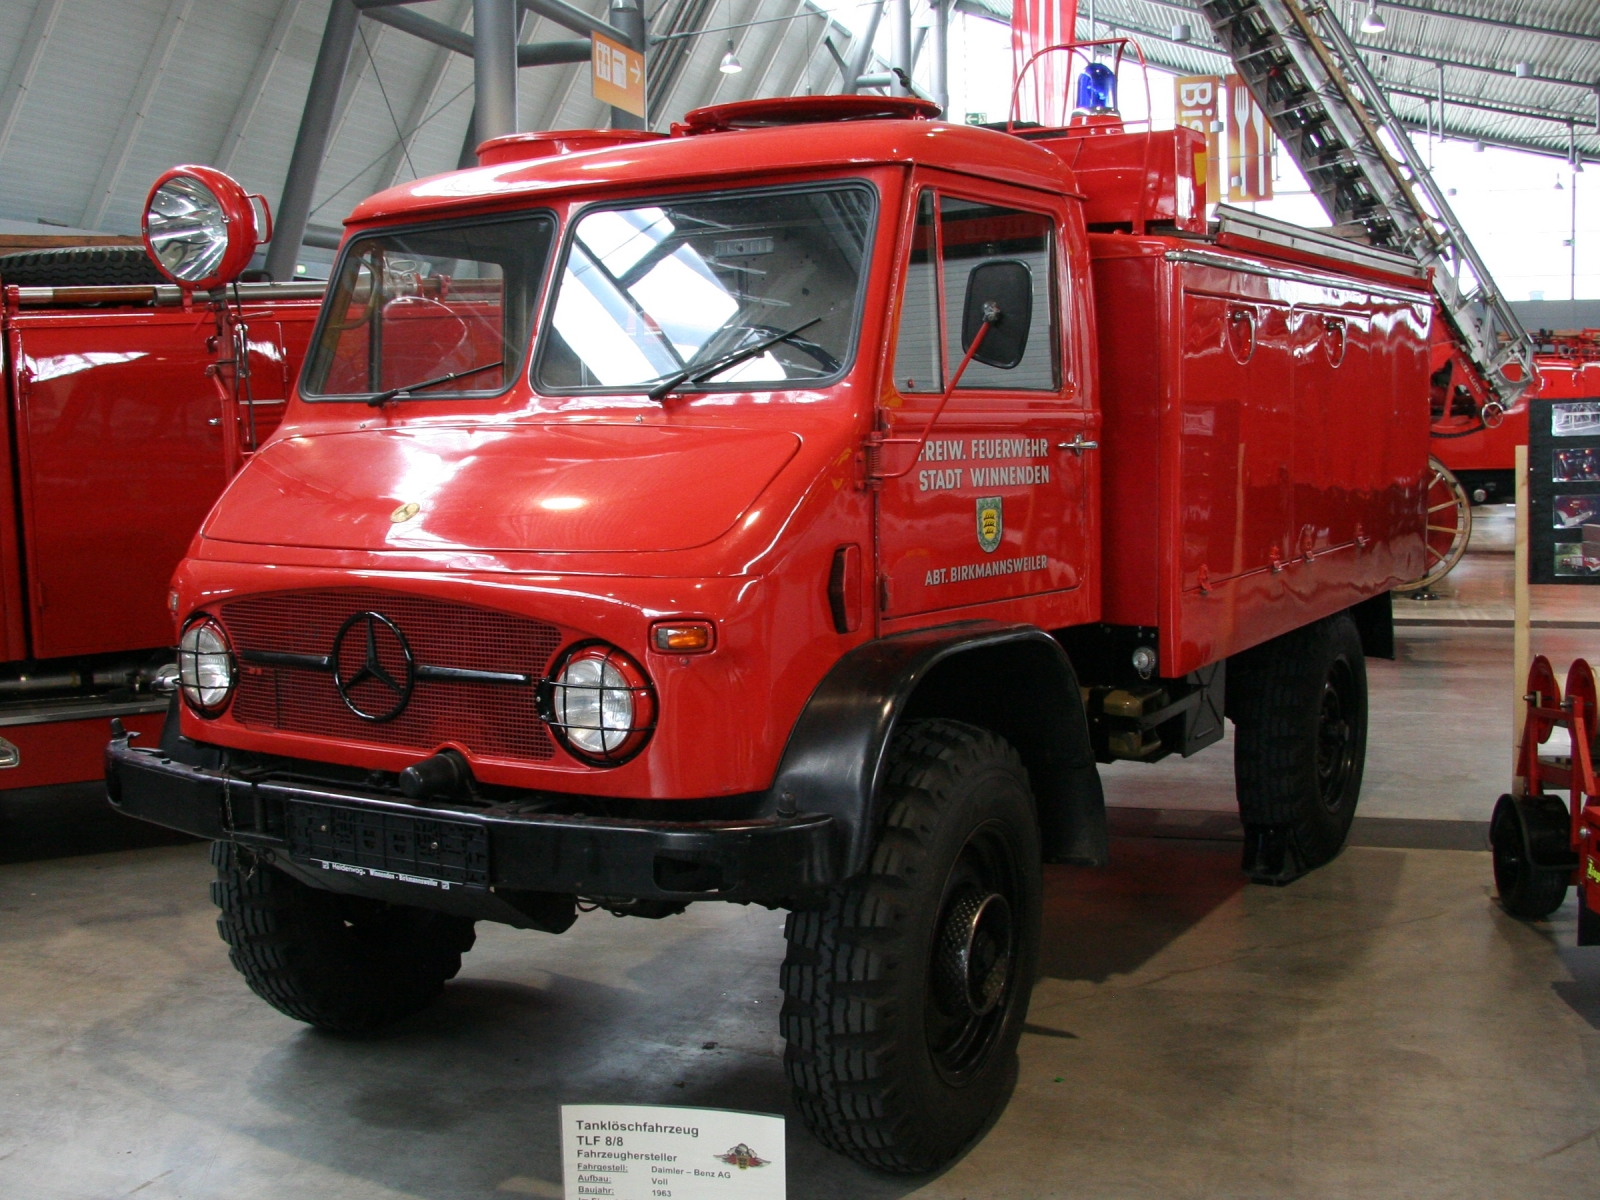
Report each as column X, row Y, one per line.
column 1095, row 108
column 201, row 227
column 1097, row 92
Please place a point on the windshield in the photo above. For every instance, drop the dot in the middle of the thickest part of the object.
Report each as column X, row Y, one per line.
column 668, row 289
column 430, row 305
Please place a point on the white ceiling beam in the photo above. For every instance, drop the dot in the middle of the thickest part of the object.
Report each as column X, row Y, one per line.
column 266, row 63
column 29, row 53
column 770, row 59
column 155, row 66
column 664, row 106
column 352, row 83
column 427, row 97
column 802, row 74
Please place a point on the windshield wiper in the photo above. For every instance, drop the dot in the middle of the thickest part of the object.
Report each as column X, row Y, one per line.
column 694, row 374
column 379, row 399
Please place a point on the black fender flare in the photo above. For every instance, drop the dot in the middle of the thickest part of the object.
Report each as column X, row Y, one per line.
column 835, row 758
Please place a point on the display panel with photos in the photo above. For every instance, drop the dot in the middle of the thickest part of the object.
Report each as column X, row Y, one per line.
column 1575, row 418
column 1564, row 491
column 1577, row 560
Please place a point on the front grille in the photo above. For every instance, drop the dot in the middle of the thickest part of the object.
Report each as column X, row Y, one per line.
column 487, row 719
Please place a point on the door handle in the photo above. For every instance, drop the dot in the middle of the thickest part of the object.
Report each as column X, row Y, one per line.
column 1078, row 445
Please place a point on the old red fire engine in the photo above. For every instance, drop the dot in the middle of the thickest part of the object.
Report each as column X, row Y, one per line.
column 130, row 402
column 1474, row 437
column 791, row 510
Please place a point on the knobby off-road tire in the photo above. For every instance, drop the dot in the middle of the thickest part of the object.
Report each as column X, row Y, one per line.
column 1300, row 708
column 1527, row 891
column 904, row 995
column 80, row 266
column 341, row 963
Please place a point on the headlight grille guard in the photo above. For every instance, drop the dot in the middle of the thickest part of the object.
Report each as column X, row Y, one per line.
column 637, row 733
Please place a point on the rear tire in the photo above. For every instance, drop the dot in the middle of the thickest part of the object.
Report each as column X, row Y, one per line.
column 341, row 963
column 904, row 995
column 1300, row 706
column 80, row 266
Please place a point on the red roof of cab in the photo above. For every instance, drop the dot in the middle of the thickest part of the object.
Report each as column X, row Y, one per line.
column 728, row 155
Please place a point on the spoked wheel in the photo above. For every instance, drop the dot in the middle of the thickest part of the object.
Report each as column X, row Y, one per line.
column 1448, row 530
column 905, row 990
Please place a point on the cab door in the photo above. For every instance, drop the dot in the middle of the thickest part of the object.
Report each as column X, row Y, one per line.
column 995, row 505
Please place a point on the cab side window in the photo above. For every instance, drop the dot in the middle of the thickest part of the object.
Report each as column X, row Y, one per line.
column 973, row 234
column 918, row 355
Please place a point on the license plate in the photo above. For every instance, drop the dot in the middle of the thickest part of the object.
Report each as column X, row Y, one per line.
column 390, row 846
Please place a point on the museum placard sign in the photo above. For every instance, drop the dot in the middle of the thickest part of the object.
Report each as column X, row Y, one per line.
column 655, row 1152
column 1564, row 491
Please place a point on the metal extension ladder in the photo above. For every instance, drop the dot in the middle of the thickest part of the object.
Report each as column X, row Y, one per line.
column 1332, row 115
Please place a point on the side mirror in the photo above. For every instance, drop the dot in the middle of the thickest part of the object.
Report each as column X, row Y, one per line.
column 201, row 227
column 1005, row 287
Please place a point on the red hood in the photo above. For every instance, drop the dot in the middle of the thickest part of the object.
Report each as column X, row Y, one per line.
column 559, row 487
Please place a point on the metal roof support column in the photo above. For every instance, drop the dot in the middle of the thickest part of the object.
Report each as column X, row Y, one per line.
column 941, row 53
column 316, row 119
column 468, row 158
column 862, row 58
column 628, row 16
column 900, row 44
column 29, row 53
column 494, row 53
column 1441, row 103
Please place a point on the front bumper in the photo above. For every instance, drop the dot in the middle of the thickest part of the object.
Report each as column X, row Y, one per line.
column 485, row 849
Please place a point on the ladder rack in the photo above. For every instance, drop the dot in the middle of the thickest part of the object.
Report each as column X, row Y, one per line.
column 1333, row 117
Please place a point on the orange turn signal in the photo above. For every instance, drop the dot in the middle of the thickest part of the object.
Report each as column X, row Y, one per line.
column 683, row 637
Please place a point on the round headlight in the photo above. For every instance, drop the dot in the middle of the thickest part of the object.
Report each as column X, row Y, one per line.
column 600, row 704
column 201, row 227
column 205, row 666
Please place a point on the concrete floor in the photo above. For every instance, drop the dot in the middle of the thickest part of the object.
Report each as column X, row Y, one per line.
column 1377, row 1029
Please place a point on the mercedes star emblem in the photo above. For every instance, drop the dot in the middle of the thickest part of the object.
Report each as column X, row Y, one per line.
column 383, row 641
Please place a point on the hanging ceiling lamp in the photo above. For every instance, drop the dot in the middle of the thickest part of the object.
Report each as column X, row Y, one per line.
column 730, row 64
column 1373, row 22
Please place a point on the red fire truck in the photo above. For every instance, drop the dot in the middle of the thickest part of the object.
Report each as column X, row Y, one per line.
column 1474, row 439
column 792, row 510
column 125, row 418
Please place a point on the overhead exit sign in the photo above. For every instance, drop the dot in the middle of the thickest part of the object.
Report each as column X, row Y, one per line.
column 618, row 75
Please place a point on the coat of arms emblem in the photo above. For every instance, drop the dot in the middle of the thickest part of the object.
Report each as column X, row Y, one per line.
column 743, row 1157
column 991, row 524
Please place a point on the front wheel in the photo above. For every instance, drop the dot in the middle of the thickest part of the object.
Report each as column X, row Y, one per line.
column 904, row 995
column 341, row 963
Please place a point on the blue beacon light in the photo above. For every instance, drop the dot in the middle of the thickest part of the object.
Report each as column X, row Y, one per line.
column 1097, row 89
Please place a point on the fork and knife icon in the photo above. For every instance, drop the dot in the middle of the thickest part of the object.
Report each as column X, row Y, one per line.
column 1251, row 167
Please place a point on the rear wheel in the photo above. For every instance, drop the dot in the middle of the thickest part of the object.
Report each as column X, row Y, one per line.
column 341, row 963
column 1300, row 706
column 904, row 995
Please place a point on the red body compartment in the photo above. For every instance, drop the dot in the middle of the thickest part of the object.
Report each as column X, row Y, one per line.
column 116, row 453
column 119, row 456
column 1265, row 432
